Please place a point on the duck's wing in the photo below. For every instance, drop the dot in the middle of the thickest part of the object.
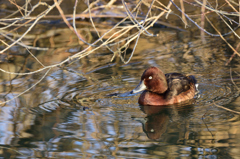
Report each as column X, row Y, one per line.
column 178, row 83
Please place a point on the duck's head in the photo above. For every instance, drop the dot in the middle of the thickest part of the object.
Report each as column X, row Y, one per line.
column 154, row 80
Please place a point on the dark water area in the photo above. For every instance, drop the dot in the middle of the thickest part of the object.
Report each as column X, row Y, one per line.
column 83, row 108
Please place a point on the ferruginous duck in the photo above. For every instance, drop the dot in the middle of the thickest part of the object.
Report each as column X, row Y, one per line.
column 165, row 89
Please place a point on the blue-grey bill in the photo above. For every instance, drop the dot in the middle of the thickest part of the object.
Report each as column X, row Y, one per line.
column 140, row 87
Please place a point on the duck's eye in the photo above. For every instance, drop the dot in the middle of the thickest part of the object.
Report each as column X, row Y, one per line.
column 150, row 77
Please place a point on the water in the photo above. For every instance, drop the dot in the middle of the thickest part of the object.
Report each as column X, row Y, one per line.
column 70, row 114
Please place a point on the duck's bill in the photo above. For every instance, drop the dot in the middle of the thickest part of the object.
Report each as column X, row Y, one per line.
column 140, row 87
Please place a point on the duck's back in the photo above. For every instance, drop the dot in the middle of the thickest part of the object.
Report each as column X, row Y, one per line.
column 178, row 83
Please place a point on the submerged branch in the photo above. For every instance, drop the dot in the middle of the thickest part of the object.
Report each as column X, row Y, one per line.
column 219, row 106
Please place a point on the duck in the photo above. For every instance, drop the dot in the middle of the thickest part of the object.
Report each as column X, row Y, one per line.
column 161, row 89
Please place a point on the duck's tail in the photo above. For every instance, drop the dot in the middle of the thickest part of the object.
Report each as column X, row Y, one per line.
column 195, row 82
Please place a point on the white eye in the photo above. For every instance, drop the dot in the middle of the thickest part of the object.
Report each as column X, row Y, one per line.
column 150, row 77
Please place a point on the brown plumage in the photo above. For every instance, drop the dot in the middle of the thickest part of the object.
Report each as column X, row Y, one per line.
column 165, row 89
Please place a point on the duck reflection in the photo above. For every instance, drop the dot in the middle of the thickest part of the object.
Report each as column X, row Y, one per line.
column 157, row 119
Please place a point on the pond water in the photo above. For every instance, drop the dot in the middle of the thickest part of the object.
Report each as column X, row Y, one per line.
column 70, row 114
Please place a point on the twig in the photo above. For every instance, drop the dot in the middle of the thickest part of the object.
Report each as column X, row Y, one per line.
column 14, row 151
column 138, row 36
column 91, row 20
column 207, row 127
column 19, row 8
column 30, row 28
column 66, row 21
column 27, row 89
column 219, row 106
column 230, row 59
column 219, row 11
column 23, row 45
column 183, row 11
column 27, row 16
column 203, row 22
column 14, row 12
column 233, row 81
column 74, row 23
column 133, row 19
column 216, row 35
column 35, row 57
column 222, row 37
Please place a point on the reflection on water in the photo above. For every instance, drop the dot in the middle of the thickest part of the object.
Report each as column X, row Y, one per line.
column 69, row 115
column 157, row 119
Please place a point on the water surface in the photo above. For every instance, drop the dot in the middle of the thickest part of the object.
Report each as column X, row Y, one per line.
column 70, row 115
